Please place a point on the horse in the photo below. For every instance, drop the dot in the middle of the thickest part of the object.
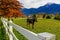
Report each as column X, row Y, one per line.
column 31, row 20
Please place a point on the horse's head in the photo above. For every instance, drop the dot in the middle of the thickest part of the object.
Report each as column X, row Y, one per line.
column 29, row 17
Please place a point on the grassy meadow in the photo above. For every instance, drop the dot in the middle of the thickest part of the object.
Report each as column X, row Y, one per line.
column 43, row 25
column 3, row 35
column 18, row 35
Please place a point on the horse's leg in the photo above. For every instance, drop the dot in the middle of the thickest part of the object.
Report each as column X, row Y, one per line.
column 27, row 22
column 33, row 25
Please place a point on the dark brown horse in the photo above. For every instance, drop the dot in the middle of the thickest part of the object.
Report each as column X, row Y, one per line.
column 31, row 21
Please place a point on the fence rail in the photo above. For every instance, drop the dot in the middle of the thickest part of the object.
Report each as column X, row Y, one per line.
column 28, row 34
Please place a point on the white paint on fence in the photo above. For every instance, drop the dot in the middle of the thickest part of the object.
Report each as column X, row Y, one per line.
column 9, row 29
column 46, row 36
column 28, row 34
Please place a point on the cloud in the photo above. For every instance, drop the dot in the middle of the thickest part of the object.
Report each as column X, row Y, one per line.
column 37, row 3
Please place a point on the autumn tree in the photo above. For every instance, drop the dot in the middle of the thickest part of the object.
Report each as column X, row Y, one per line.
column 10, row 8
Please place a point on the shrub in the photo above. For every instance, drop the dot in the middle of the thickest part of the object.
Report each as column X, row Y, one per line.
column 57, row 17
column 48, row 17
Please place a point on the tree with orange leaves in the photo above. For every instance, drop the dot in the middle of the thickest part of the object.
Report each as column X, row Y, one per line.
column 10, row 8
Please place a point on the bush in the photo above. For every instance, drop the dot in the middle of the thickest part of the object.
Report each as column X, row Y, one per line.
column 44, row 15
column 48, row 17
column 57, row 17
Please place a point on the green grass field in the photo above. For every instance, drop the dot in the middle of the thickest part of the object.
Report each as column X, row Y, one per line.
column 18, row 35
column 3, row 35
column 43, row 25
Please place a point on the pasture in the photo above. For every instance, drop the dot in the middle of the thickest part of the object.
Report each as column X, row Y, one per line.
column 3, row 35
column 43, row 25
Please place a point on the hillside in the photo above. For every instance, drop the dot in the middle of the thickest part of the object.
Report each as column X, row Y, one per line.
column 49, row 8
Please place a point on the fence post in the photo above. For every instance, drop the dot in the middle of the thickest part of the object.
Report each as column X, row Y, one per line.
column 5, row 26
column 10, row 31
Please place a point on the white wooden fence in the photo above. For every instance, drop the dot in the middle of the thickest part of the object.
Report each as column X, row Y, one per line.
column 28, row 34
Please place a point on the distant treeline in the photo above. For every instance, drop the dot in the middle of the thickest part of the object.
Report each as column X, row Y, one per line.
column 49, row 16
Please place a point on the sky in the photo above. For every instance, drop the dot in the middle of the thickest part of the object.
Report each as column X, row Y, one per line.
column 37, row 3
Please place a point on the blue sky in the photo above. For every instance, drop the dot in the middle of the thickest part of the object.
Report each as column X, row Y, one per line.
column 37, row 3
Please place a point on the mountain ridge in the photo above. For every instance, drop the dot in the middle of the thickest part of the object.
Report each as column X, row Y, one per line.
column 48, row 8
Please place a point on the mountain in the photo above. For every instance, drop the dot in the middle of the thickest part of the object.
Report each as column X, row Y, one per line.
column 49, row 8
column 29, row 11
